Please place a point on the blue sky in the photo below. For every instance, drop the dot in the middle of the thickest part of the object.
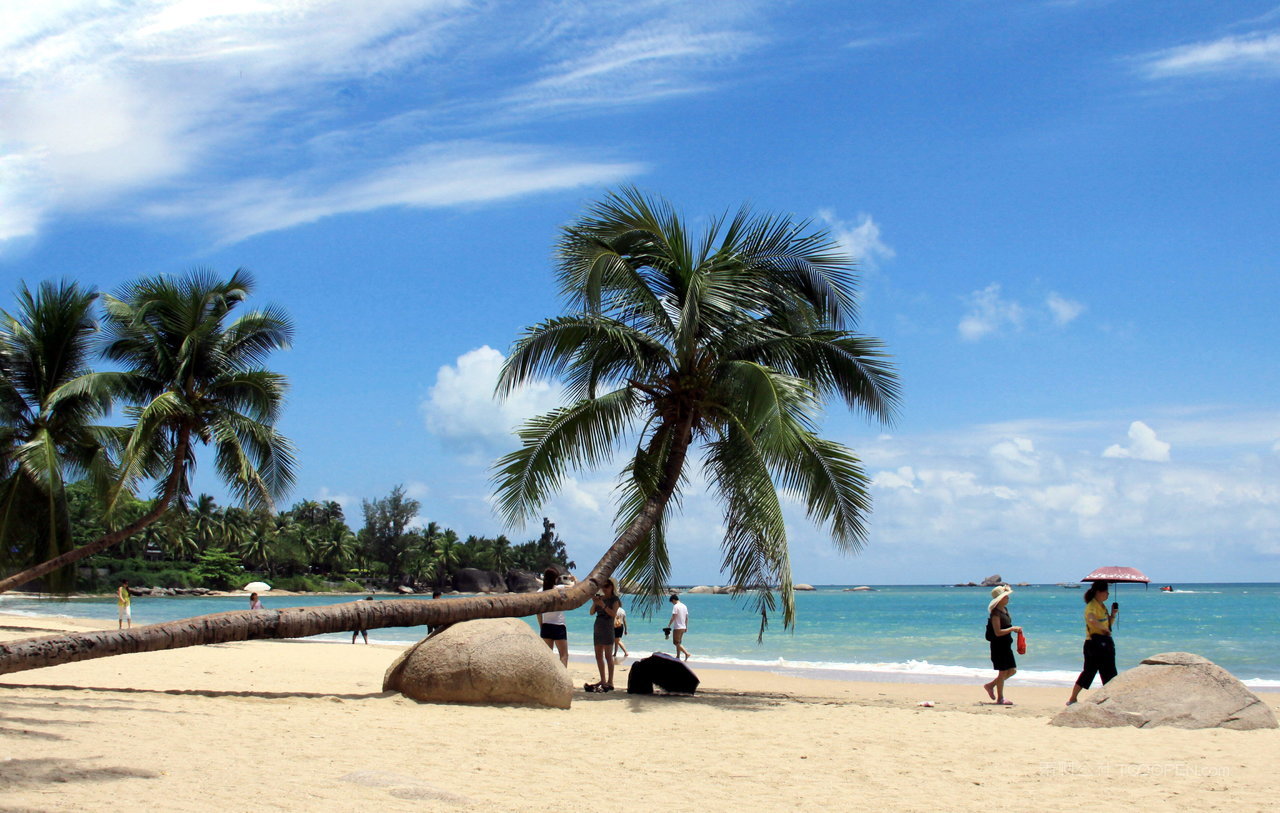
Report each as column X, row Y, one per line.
column 1064, row 213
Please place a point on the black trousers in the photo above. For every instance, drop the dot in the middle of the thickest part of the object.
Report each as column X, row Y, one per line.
column 1099, row 659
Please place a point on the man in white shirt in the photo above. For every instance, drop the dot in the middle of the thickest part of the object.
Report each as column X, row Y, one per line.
column 679, row 623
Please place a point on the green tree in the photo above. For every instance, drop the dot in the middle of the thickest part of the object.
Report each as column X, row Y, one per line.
column 385, row 534
column 729, row 340
column 191, row 376
column 48, row 431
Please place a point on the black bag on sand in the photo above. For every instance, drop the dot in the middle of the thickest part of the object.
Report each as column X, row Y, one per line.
column 665, row 671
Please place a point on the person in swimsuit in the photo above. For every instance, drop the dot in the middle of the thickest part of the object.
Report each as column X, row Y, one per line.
column 604, row 605
column 1000, row 632
column 1099, row 649
column 551, row 626
column 254, row 602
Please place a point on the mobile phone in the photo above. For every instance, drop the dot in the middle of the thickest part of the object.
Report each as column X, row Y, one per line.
column 1115, row 605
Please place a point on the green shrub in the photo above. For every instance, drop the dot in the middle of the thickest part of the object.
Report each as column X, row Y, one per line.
column 349, row 586
column 300, row 584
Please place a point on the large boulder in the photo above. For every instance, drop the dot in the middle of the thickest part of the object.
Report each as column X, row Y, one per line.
column 700, row 589
column 490, row 660
column 522, row 581
column 1175, row 689
column 473, row 580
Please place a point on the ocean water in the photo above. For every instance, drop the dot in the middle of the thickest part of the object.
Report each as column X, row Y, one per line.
column 896, row 633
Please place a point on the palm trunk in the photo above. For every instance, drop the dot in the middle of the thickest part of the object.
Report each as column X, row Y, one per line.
column 302, row 622
column 115, row 537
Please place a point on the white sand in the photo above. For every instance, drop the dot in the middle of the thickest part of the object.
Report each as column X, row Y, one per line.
column 305, row 726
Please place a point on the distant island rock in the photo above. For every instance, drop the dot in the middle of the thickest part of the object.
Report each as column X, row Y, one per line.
column 862, row 589
column 803, row 587
column 992, row 581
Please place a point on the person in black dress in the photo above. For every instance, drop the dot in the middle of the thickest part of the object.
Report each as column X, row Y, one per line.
column 1000, row 632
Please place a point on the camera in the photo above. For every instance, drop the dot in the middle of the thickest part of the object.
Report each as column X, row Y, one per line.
column 1115, row 605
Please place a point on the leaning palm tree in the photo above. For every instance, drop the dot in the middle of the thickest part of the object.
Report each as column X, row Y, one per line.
column 191, row 376
column 724, row 344
column 47, row 428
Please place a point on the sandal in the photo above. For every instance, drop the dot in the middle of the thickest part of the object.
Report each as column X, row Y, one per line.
column 591, row 687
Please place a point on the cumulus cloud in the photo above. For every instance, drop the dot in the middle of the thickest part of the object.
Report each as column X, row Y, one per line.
column 461, row 406
column 1252, row 54
column 860, row 240
column 1143, row 445
column 1031, row 502
column 171, row 104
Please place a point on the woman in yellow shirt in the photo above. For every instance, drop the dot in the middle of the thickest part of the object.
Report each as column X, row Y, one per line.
column 1099, row 650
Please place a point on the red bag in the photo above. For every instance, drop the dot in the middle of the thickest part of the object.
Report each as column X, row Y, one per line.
column 1022, row 643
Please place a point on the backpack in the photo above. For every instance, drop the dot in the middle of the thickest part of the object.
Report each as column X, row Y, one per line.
column 990, row 635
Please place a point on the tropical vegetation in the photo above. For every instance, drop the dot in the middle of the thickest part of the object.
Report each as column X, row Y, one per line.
column 723, row 344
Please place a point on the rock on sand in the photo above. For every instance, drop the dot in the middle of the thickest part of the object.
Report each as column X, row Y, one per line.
column 490, row 660
column 1175, row 689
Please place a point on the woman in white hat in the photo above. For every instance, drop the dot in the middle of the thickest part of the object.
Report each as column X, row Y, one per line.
column 1000, row 632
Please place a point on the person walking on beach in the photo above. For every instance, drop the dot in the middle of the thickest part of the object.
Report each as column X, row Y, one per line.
column 124, row 604
column 1000, row 632
column 435, row 594
column 679, row 625
column 254, row 602
column 619, row 630
column 551, row 625
column 361, row 630
column 1099, row 649
column 604, row 606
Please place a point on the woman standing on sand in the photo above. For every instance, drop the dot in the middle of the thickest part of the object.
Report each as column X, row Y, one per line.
column 604, row 606
column 1000, row 631
column 551, row 625
column 1099, row 649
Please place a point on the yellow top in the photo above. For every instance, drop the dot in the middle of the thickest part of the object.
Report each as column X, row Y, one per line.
column 1096, row 611
column 122, row 596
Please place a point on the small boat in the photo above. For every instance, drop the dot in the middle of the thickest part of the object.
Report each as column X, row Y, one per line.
column 1069, row 585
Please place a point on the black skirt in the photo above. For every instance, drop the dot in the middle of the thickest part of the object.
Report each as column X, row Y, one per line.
column 1002, row 653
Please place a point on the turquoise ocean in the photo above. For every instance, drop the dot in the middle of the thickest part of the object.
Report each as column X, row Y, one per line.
column 896, row 633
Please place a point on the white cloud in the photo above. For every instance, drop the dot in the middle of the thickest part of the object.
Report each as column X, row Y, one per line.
column 162, row 107
column 444, row 175
column 1034, row 502
column 1143, row 445
column 861, row 241
column 461, row 405
column 1063, row 310
column 989, row 313
column 1253, row 54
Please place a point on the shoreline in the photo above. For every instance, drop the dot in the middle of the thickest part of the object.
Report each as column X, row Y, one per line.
column 274, row 725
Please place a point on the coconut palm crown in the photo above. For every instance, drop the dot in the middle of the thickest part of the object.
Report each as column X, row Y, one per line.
column 48, row 431
column 194, row 376
column 726, row 342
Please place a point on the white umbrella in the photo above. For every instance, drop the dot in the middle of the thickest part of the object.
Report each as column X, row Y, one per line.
column 257, row 587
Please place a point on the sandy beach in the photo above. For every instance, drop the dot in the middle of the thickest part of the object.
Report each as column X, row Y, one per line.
column 305, row 726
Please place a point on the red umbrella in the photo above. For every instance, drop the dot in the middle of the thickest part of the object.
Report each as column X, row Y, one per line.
column 1114, row 573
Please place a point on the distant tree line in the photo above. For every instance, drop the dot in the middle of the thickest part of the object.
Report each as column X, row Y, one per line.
column 308, row 547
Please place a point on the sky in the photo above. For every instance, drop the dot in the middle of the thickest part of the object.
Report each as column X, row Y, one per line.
column 1064, row 214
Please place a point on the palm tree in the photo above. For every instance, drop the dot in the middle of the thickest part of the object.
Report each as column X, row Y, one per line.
column 730, row 341
column 47, row 431
column 191, row 378
column 725, row 343
column 445, row 553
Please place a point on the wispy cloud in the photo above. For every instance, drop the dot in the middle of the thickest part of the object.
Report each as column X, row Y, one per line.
column 989, row 313
column 167, row 104
column 1248, row 55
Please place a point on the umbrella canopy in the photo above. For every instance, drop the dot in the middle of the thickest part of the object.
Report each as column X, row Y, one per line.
column 1114, row 573
column 257, row 587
